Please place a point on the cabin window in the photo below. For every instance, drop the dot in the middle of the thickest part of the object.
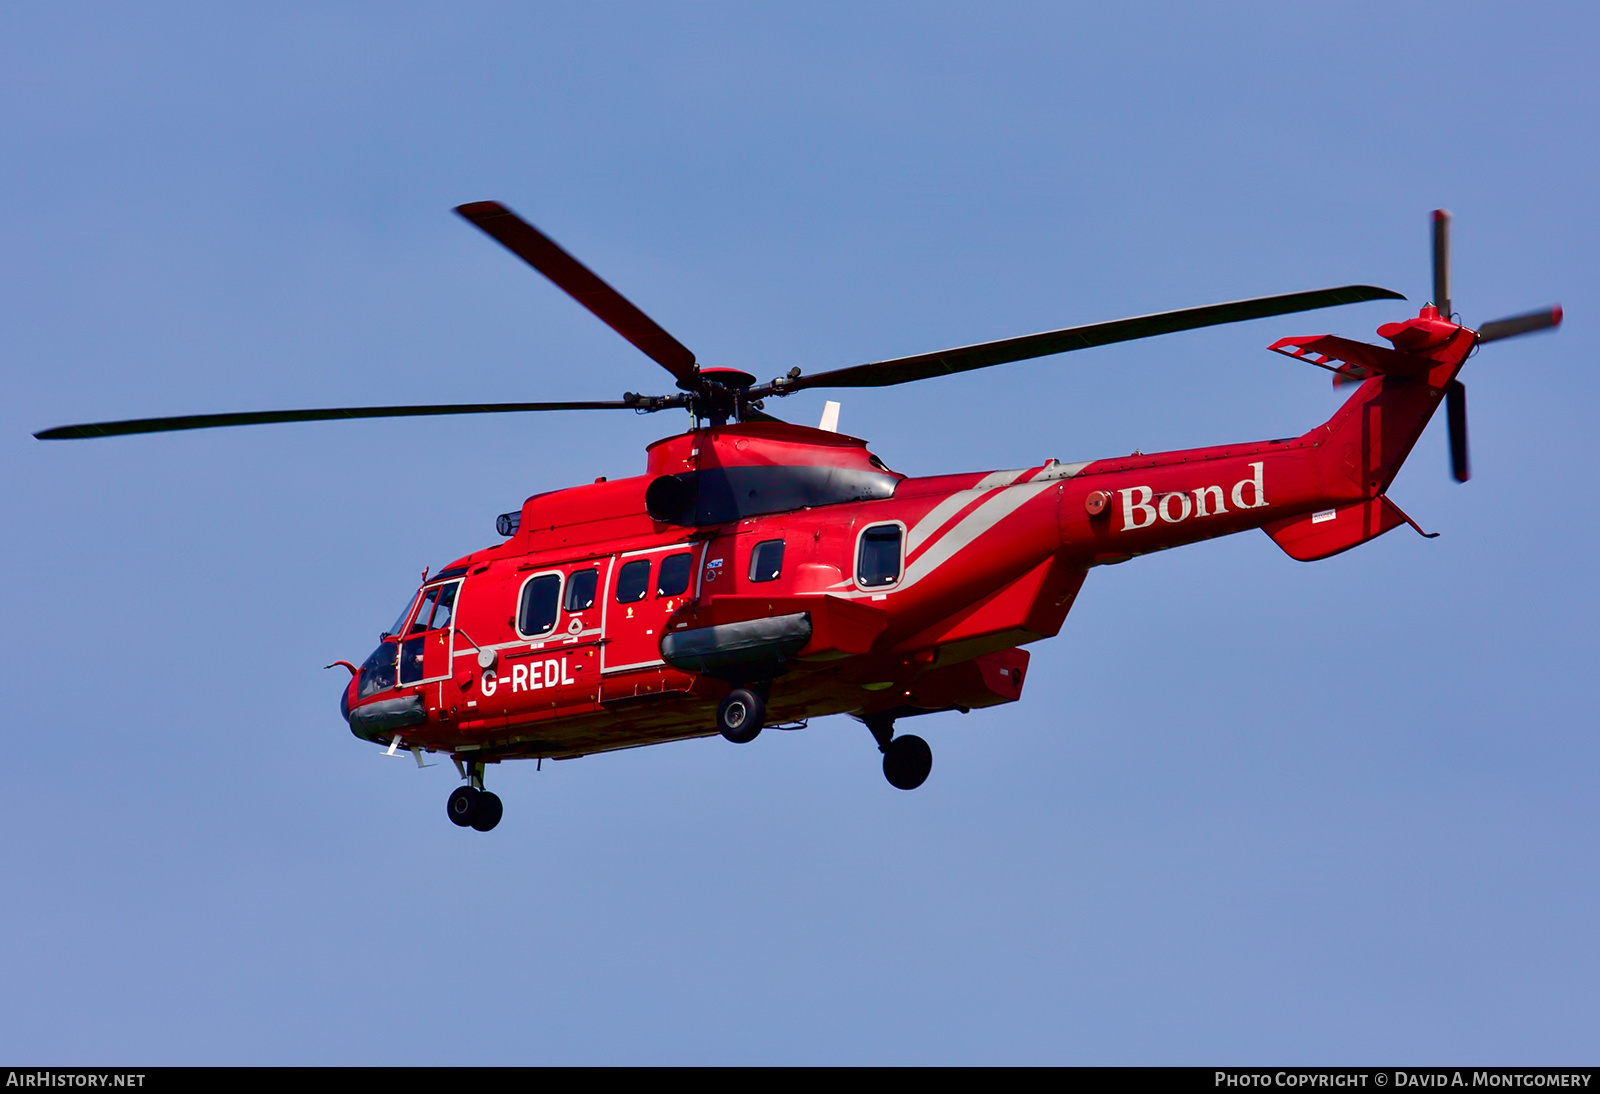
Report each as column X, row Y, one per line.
column 581, row 585
column 673, row 579
column 766, row 560
column 633, row 581
column 536, row 614
column 878, row 556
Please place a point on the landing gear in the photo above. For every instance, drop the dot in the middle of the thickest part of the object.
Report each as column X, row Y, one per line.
column 462, row 805
column 907, row 759
column 473, row 806
column 489, row 808
column 740, row 715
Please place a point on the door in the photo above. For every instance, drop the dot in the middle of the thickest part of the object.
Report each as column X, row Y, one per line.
column 644, row 589
column 426, row 649
column 559, row 617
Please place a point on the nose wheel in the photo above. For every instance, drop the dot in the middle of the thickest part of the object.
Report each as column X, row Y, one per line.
column 473, row 806
column 907, row 759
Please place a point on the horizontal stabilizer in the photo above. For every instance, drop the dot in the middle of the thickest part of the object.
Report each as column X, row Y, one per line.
column 1349, row 360
column 1314, row 536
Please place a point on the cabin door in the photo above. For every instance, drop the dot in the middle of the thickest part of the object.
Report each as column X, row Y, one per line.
column 645, row 588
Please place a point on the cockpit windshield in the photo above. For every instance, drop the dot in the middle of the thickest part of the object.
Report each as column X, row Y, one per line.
column 401, row 622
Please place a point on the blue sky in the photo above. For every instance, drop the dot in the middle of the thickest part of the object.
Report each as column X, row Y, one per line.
column 1247, row 810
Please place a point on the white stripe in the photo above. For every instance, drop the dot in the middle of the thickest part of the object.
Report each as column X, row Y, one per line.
column 952, row 505
column 985, row 517
column 973, row 525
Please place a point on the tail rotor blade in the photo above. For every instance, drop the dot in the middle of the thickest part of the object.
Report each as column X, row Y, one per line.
column 1441, row 261
column 1456, row 408
column 1514, row 325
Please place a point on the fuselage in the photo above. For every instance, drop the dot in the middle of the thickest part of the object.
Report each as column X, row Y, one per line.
column 875, row 592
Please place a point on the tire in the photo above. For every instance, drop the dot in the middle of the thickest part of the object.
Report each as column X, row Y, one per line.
column 462, row 806
column 488, row 812
column 740, row 715
column 907, row 761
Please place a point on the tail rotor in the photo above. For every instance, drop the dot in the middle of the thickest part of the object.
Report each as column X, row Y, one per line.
column 1493, row 331
column 1441, row 262
column 1455, row 405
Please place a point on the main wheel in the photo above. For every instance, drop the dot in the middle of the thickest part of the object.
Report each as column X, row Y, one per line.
column 462, row 805
column 488, row 812
column 740, row 715
column 907, row 761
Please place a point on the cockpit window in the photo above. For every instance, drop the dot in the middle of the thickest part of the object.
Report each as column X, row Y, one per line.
column 444, row 607
column 377, row 671
column 420, row 623
column 437, row 604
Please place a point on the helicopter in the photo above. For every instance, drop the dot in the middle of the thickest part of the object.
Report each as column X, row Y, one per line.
column 760, row 574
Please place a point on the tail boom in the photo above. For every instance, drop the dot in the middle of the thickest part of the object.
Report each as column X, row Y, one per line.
column 1316, row 494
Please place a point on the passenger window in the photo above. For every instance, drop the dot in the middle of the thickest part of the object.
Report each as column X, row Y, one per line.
column 878, row 559
column 580, row 590
column 766, row 560
column 633, row 581
column 673, row 580
column 537, row 612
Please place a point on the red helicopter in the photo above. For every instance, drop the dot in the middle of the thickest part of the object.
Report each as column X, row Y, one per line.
column 760, row 574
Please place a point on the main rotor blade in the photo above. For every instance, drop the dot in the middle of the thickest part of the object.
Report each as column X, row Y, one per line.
column 1455, row 404
column 579, row 282
column 1441, row 261
column 268, row 417
column 902, row 370
column 1514, row 325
